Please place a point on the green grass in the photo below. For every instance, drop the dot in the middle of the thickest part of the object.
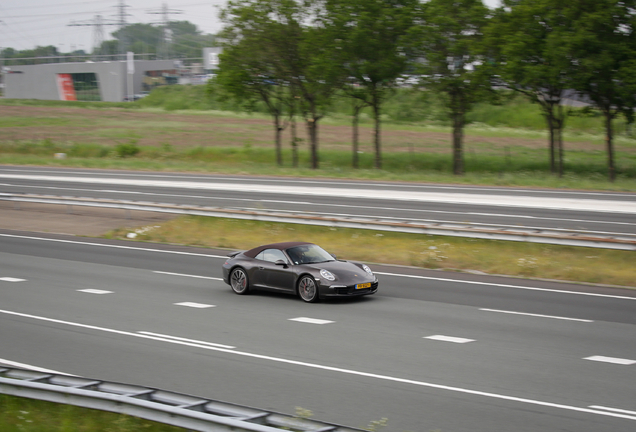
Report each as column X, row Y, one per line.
column 523, row 167
column 567, row 263
column 28, row 415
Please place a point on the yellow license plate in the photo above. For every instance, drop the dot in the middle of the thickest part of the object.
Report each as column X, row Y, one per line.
column 363, row 286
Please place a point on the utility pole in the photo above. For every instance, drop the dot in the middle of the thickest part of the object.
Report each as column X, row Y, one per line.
column 163, row 49
column 98, row 32
column 123, row 38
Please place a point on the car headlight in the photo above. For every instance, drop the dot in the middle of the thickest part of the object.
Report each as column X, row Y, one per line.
column 367, row 269
column 327, row 275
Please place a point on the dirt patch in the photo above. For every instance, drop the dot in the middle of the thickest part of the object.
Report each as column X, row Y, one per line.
column 75, row 220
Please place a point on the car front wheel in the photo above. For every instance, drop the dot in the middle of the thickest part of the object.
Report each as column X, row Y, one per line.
column 307, row 289
column 239, row 281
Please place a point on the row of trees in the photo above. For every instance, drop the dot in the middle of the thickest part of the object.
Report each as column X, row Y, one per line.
column 295, row 55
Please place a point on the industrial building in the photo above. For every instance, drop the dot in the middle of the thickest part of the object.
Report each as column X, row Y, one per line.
column 109, row 81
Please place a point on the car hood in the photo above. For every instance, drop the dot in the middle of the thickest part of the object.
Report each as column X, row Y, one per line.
column 346, row 272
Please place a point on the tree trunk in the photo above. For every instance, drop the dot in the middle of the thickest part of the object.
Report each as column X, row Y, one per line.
column 549, row 117
column 312, row 131
column 376, row 138
column 294, row 142
column 354, row 126
column 458, row 135
column 279, row 132
column 610, row 146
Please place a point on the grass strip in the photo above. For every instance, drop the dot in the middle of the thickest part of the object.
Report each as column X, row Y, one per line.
column 529, row 260
column 19, row 414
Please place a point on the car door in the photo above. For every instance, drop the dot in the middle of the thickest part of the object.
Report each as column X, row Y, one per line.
column 272, row 275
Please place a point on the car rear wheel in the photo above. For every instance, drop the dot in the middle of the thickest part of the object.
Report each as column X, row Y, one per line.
column 239, row 282
column 307, row 289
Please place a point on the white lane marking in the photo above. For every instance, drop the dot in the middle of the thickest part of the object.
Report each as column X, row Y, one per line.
column 380, row 273
column 536, row 315
column 187, row 275
column 506, row 286
column 398, row 195
column 311, row 181
column 449, row 339
column 198, row 342
column 311, row 320
column 195, row 305
column 322, row 205
column 618, row 410
column 95, row 291
column 515, row 227
column 30, row 367
column 338, row 370
column 11, row 279
column 613, row 360
column 113, row 246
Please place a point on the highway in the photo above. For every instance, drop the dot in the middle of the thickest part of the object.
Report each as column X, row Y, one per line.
column 604, row 213
column 432, row 351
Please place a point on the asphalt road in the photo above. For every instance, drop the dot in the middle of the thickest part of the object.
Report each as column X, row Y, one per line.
column 432, row 351
column 593, row 212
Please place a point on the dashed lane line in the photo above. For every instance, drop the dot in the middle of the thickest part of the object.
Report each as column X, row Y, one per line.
column 613, row 360
column 452, row 339
column 311, row 320
column 536, row 315
column 520, row 400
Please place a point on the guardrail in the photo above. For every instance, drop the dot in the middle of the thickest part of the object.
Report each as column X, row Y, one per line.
column 176, row 409
column 471, row 230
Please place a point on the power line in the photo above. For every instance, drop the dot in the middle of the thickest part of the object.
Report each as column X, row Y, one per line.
column 166, row 40
column 98, row 31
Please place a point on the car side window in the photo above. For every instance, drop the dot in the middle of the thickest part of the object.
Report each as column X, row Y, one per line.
column 271, row 255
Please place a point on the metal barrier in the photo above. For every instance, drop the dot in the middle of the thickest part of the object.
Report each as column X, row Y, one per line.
column 470, row 230
column 176, row 409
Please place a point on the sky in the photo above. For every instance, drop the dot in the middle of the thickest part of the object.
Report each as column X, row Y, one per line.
column 25, row 24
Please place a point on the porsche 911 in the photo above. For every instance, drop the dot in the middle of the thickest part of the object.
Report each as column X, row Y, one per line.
column 299, row 268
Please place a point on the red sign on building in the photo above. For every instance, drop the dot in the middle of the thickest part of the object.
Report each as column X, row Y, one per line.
column 65, row 87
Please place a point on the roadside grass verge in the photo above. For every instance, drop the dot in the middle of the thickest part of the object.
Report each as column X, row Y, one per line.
column 529, row 260
column 29, row 415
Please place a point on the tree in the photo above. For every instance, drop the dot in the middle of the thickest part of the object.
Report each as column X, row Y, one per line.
column 450, row 34
column 605, row 57
column 370, row 40
column 186, row 40
column 290, row 52
column 529, row 40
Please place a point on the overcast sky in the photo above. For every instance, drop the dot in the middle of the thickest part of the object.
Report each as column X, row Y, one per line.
column 25, row 24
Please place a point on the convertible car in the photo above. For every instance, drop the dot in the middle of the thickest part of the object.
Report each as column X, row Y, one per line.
column 299, row 268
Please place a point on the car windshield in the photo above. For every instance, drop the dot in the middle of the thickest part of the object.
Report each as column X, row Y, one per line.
column 308, row 254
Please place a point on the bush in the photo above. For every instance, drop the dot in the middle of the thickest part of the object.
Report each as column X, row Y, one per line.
column 128, row 149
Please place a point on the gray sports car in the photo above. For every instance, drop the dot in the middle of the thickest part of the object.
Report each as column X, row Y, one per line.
column 300, row 268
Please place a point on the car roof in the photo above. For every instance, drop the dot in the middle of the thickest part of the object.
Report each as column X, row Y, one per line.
column 281, row 246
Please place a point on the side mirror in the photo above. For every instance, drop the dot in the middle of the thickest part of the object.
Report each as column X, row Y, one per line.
column 281, row 263
column 333, row 255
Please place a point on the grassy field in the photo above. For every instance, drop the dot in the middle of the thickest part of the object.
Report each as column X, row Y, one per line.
column 496, row 151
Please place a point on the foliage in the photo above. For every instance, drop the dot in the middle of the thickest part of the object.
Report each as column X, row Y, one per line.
column 276, row 43
column 604, row 51
column 449, row 41
column 371, row 43
column 527, row 39
column 127, row 149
